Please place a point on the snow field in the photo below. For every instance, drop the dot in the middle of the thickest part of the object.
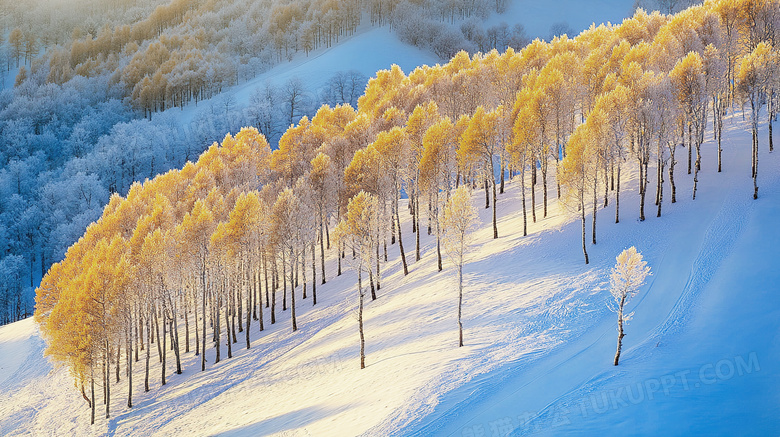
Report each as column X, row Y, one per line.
column 696, row 318
column 539, row 337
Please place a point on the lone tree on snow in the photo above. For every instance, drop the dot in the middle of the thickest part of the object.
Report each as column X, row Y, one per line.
column 457, row 222
column 628, row 275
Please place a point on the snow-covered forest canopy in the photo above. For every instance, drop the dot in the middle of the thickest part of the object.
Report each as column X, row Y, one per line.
column 214, row 242
column 85, row 82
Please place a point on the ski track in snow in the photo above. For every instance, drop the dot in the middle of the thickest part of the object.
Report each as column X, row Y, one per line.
column 719, row 240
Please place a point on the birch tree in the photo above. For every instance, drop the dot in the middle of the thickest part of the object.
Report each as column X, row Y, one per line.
column 457, row 222
column 754, row 75
column 627, row 276
column 357, row 232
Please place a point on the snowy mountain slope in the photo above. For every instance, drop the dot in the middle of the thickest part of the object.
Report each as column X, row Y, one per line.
column 371, row 49
column 698, row 347
column 539, row 336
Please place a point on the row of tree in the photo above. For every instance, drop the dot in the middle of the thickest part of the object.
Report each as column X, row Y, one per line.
column 214, row 243
column 66, row 151
column 67, row 120
column 184, row 51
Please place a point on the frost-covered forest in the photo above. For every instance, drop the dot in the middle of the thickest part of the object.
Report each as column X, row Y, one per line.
column 85, row 84
column 213, row 247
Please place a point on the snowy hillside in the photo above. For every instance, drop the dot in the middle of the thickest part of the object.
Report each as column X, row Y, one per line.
column 372, row 49
column 539, row 331
column 698, row 356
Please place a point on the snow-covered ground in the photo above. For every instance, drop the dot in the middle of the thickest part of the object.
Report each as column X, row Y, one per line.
column 700, row 350
column 699, row 354
column 367, row 51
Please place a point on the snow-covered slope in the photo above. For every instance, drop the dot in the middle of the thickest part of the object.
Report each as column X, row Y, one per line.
column 703, row 341
column 699, row 352
column 371, row 49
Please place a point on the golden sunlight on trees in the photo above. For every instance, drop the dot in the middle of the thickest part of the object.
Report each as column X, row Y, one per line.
column 206, row 249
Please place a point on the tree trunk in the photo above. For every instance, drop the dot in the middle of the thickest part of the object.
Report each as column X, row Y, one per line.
column 257, row 301
column 660, row 186
column 696, row 176
column 217, row 330
column 273, row 295
column 128, row 347
column 378, row 284
column 360, row 321
column 176, row 350
column 533, row 191
column 430, row 216
column 525, row 212
column 186, row 328
column 617, row 198
column 195, row 326
column 258, row 284
column 607, row 172
column 417, row 224
column 303, row 269
column 544, row 188
column 503, row 170
column 327, row 233
column 292, row 296
column 720, row 132
column 690, row 140
column 769, row 112
column 460, row 302
column 237, row 303
column 672, row 162
column 118, row 359
column 203, row 339
column 313, row 274
column 148, row 356
column 595, row 207
column 393, row 209
column 108, row 380
column 620, row 329
column 92, row 404
column 487, row 194
column 284, row 281
column 164, row 352
column 612, row 175
column 250, row 290
column 339, row 255
column 322, row 257
column 139, row 333
column 438, row 250
column 228, row 329
column 495, row 222
column 157, row 334
column 400, row 239
column 265, row 280
column 755, row 153
column 582, row 211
